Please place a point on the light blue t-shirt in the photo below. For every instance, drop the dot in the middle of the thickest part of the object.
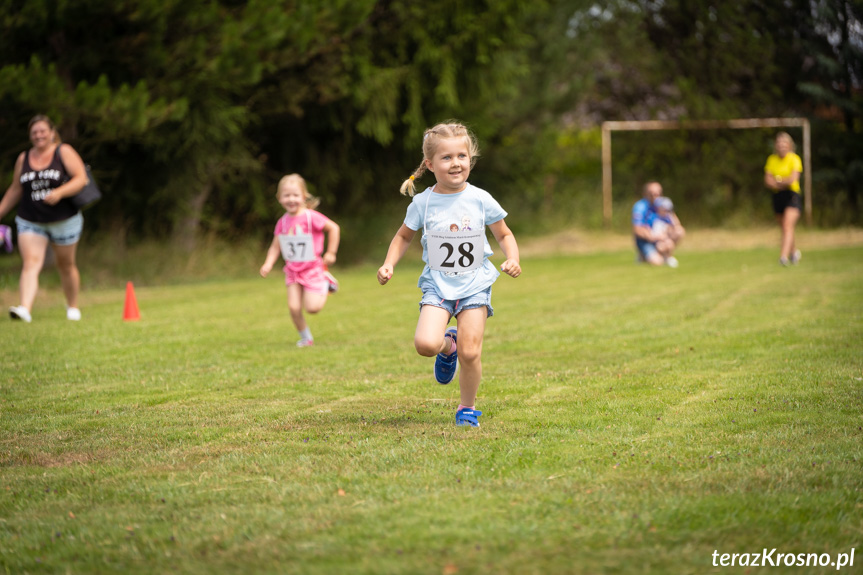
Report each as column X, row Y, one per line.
column 470, row 209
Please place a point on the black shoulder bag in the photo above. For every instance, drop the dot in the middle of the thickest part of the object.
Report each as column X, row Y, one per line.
column 89, row 194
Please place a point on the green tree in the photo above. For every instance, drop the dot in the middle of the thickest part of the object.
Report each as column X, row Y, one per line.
column 703, row 59
column 190, row 111
column 200, row 104
column 836, row 60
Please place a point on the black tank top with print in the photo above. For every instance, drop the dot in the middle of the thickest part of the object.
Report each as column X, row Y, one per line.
column 35, row 185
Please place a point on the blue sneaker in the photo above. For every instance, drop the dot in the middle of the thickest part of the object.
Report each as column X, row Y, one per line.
column 445, row 366
column 467, row 417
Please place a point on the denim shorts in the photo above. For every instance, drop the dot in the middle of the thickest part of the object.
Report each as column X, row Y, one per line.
column 455, row 307
column 645, row 248
column 62, row 233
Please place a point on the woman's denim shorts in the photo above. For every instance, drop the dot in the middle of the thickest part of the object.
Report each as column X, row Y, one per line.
column 62, row 233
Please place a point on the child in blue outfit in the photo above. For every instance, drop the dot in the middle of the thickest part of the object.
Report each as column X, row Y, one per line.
column 662, row 222
column 666, row 229
column 457, row 278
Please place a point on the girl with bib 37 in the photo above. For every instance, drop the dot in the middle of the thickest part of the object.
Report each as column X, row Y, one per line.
column 299, row 238
column 457, row 278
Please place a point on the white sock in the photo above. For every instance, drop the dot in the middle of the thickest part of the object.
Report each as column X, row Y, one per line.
column 306, row 333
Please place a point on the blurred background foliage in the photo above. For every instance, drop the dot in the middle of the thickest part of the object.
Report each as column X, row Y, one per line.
column 189, row 111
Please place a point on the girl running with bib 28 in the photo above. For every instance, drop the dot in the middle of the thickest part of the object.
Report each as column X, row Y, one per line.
column 299, row 238
column 456, row 280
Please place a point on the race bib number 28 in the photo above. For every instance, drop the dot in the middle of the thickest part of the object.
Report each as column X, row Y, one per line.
column 297, row 248
column 455, row 251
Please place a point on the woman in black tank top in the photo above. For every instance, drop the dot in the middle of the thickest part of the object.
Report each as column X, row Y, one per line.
column 45, row 177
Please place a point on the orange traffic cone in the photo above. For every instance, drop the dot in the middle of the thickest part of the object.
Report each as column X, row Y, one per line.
column 130, row 310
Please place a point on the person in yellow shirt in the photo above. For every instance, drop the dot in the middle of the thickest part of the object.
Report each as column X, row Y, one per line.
column 782, row 175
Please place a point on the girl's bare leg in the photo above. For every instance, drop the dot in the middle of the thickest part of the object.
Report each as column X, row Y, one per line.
column 471, row 329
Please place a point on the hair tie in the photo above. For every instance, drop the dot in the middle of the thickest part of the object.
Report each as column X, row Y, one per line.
column 412, row 178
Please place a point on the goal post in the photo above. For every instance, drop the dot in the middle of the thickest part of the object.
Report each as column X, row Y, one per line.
column 644, row 125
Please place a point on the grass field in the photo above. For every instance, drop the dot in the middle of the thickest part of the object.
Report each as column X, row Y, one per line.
column 635, row 421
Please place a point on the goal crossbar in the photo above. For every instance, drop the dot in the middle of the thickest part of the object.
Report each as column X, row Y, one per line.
column 745, row 123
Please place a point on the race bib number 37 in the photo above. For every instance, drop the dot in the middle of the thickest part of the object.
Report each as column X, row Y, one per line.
column 455, row 251
column 297, row 248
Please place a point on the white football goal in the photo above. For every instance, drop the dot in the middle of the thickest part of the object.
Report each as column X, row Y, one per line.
column 637, row 126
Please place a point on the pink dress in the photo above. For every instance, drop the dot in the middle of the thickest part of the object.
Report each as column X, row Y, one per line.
column 306, row 269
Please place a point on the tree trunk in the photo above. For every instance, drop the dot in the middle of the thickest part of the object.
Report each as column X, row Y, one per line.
column 186, row 233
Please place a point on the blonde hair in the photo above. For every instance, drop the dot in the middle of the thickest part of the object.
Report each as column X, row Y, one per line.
column 297, row 180
column 786, row 136
column 431, row 139
column 47, row 120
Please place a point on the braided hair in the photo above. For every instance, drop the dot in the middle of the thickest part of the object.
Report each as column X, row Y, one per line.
column 431, row 138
